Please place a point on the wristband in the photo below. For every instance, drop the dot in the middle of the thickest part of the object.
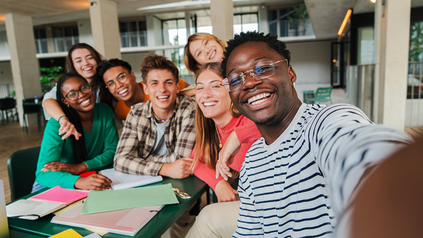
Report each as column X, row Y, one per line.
column 61, row 118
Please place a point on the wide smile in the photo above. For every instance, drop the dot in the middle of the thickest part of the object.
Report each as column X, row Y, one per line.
column 123, row 92
column 85, row 102
column 209, row 104
column 259, row 99
column 212, row 55
column 163, row 98
column 87, row 69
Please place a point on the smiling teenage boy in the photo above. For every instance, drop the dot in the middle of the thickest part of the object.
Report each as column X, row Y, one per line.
column 300, row 177
column 121, row 83
column 158, row 135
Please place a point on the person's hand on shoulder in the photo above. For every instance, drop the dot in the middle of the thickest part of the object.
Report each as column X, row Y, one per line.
column 226, row 156
column 178, row 169
column 224, row 192
column 67, row 129
column 93, row 182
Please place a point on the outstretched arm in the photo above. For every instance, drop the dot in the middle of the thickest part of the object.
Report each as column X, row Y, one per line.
column 389, row 203
column 346, row 144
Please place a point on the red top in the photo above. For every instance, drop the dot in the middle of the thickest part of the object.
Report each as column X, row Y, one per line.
column 247, row 134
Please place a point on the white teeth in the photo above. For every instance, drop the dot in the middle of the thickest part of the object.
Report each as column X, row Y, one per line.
column 207, row 104
column 163, row 97
column 253, row 100
column 123, row 91
column 85, row 102
column 86, row 69
column 212, row 55
column 259, row 101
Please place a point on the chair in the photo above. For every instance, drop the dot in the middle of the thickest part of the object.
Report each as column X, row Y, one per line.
column 7, row 104
column 21, row 167
column 29, row 106
column 321, row 95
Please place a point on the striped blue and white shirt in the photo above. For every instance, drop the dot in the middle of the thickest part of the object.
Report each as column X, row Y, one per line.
column 299, row 184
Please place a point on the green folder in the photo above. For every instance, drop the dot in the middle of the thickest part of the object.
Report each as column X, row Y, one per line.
column 111, row 200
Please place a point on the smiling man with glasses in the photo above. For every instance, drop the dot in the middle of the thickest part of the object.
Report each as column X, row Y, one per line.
column 122, row 84
column 300, row 177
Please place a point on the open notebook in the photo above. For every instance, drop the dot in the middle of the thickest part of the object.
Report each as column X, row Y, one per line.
column 121, row 181
column 44, row 203
column 125, row 222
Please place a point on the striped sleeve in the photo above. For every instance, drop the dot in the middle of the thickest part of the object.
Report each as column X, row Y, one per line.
column 346, row 143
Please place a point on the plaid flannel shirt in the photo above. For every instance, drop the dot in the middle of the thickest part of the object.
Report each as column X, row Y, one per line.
column 133, row 154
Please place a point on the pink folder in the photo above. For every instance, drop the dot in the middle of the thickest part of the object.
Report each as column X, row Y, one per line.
column 61, row 195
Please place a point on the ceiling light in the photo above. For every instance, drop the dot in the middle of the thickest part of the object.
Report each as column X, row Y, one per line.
column 373, row 1
column 344, row 23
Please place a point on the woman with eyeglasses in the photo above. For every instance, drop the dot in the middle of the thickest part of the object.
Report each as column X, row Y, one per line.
column 215, row 120
column 82, row 59
column 62, row 161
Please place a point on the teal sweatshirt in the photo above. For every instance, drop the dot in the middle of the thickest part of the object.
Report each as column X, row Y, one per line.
column 100, row 143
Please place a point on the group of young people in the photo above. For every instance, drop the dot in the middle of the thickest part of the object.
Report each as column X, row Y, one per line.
column 298, row 165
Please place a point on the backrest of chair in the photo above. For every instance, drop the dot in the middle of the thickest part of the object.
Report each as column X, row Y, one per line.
column 7, row 103
column 21, row 167
column 323, row 92
column 29, row 106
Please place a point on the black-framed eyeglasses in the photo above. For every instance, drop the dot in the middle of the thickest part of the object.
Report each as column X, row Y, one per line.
column 264, row 68
column 121, row 78
column 74, row 94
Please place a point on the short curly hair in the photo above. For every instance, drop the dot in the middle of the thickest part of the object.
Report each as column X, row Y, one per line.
column 158, row 62
column 271, row 40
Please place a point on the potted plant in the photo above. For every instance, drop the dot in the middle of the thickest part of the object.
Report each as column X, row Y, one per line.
column 300, row 13
column 293, row 25
column 49, row 76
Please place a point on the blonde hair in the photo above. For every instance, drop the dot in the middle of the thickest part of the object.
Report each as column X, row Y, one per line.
column 190, row 62
column 207, row 140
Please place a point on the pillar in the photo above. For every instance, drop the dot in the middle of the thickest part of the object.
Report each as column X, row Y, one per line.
column 392, row 32
column 222, row 17
column 24, row 64
column 105, row 28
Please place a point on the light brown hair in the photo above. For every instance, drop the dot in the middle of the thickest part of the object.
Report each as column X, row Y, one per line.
column 207, row 140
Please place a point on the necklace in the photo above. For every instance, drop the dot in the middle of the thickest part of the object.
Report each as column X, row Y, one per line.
column 158, row 119
column 218, row 136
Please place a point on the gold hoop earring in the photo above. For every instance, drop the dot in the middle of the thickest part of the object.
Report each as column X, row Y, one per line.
column 68, row 105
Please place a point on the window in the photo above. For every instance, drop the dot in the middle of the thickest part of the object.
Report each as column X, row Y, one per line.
column 290, row 22
column 365, row 47
column 133, row 33
column 245, row 22
column 175, row 33
column 65, row 37
column 415, row 64
column 40, row 40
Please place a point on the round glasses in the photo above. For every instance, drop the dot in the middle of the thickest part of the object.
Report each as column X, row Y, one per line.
column 111, row 84
column 74, row 94
column 264, row 68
